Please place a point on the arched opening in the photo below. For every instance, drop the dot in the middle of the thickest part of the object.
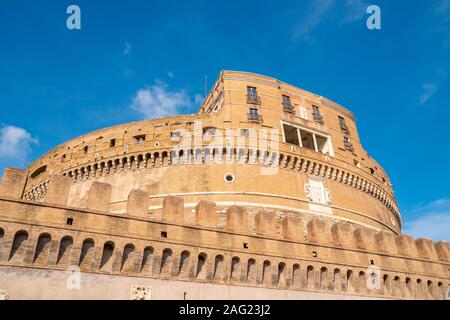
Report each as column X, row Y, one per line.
column 266, row 272
column 65, row 246
column 362, row 281
column 166, row 262
column 108, row 251
column 127, row 258
column 251, row 270
column 147, row 259
column 337, row 279
column 349, row 281
column 281, row 277
column 409, row 286
column 218, row 267
column 42, row 248
column 323, row 278
column 310, row 277
column 235, row 262
column 296, row 275
column 86, row 253
column 387, row 284
column 18, row 245
column 183, row 269
column 201, row 266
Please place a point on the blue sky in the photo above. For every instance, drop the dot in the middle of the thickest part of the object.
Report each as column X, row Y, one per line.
column 132, row 57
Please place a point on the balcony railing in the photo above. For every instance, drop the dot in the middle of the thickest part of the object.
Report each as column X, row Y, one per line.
column 254, row 117
column 318, row 118
column 253, row 99
column 287, row 107
column 349, row 146
column 344, row 128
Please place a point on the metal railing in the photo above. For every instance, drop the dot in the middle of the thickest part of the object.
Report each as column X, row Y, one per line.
column 254, row 117
column 287, row 107
column 253, row 99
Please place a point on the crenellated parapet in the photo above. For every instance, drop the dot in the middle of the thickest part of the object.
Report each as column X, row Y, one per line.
column 238, row 246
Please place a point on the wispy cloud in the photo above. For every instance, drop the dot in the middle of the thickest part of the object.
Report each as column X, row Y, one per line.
column 428, row 90
column 171, row 74
column 355, row 10
column 126, row 51
column 15, row 144
column 431, row 220
column 316, row 13
column 158, row 101
column 199, row 99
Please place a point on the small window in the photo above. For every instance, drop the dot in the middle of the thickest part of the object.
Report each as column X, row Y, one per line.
column 163, row 234
column 253, row 115
column 69, row 221
column 251, row 91
column 175, row 135
column 38, row 172
column 63, row 158
column 372, row 170
column 252, row 95
column 85, row 149
column 287, row 105
column 245, row 245
column 112, row 143
column 316, row 114
column 291, row 135
column 139, row 138
column 229, row 178
column 343, row 125
column 314, row 254
column 348, row 145
column 307, row 140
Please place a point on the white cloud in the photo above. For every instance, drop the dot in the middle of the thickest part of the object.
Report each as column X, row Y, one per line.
column 15, row 144
column 316, row 13
column 126, row 51
column 428, row 90
column 355, row 10
column 157, row 101
column 171, row 74
column 199, row 99
column 431, row 220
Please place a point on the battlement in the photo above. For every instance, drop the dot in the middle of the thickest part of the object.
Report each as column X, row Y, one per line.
column 237, row 246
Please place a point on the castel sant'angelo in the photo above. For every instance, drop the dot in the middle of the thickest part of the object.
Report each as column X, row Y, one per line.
column 265, row 193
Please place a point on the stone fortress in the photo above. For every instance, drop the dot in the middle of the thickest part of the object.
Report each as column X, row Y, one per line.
column 265, row 193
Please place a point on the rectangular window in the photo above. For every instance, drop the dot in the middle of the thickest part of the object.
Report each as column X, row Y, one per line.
column 287, row 105
column 348, row 145
column 112, row 143
column 343, row 125
column 139, row 138
column 85, row 149
column 307, row 138
column 291, row 135
column 252, row 95
column 175, row 135
column 316, row 114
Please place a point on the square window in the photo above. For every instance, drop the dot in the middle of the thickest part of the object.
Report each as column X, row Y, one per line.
column 112, row 143
column 307, row 140
column 163, row 234
column 69, row 221
column 291, row 135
